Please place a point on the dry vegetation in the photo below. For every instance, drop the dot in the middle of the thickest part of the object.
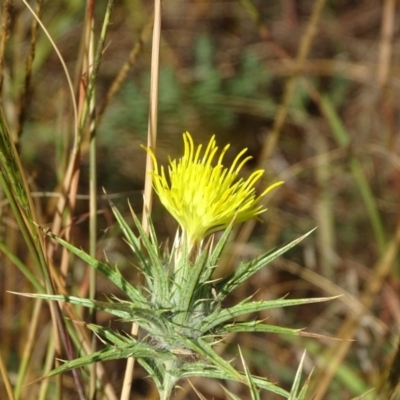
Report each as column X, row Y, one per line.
column 308, row 86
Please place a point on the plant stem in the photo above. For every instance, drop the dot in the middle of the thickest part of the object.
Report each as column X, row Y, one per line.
column 151, row 143
column 169, row 381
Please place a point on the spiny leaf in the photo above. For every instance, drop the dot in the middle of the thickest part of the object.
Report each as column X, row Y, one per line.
column 107, row 333
column 191, row 289
column 205, row 370
column 155, row 370
column 112, row 274
column 156, row 267
column 207, row 352
column 303, row 392
column 150, row 320
column 250, row 381
column 296, row 382
column 256, row 326
column 216, row 253
column 246, row 270
column 134, row 243
column 122, row 310
column 135, row 349
column 243, row 308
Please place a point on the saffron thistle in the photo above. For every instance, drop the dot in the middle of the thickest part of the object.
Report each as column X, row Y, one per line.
column 205, row 198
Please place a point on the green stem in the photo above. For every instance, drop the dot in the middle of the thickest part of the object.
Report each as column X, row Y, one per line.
column 169, row 382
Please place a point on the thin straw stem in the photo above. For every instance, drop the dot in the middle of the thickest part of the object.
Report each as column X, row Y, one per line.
column 92, row 182
column 6, row 379
column 151, row 143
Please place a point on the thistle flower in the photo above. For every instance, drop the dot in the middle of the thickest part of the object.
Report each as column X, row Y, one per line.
column 204, row 198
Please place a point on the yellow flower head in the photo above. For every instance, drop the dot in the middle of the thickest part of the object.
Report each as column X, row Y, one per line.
column 204, row 198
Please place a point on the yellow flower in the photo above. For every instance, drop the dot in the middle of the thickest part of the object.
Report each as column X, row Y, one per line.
column 204, row 198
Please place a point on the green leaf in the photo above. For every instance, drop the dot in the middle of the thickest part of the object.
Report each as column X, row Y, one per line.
column 250, row 381
column 206, row 351
column 112, row 274
column 256, row 326
column 204, row 370
column 191, row 290
column 216, row 253
column 155, row 370
column 157, row 271
column 134, row 349
column 303, row 392
column 148, row 319
column 107, row 333
column 296, row 382
column 246, row 270
column 245, row 307
column 135, row 244
column 122, row 310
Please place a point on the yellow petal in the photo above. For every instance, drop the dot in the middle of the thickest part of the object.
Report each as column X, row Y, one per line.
column 204, row 198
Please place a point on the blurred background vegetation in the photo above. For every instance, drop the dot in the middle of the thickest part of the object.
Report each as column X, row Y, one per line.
column 308, row 86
